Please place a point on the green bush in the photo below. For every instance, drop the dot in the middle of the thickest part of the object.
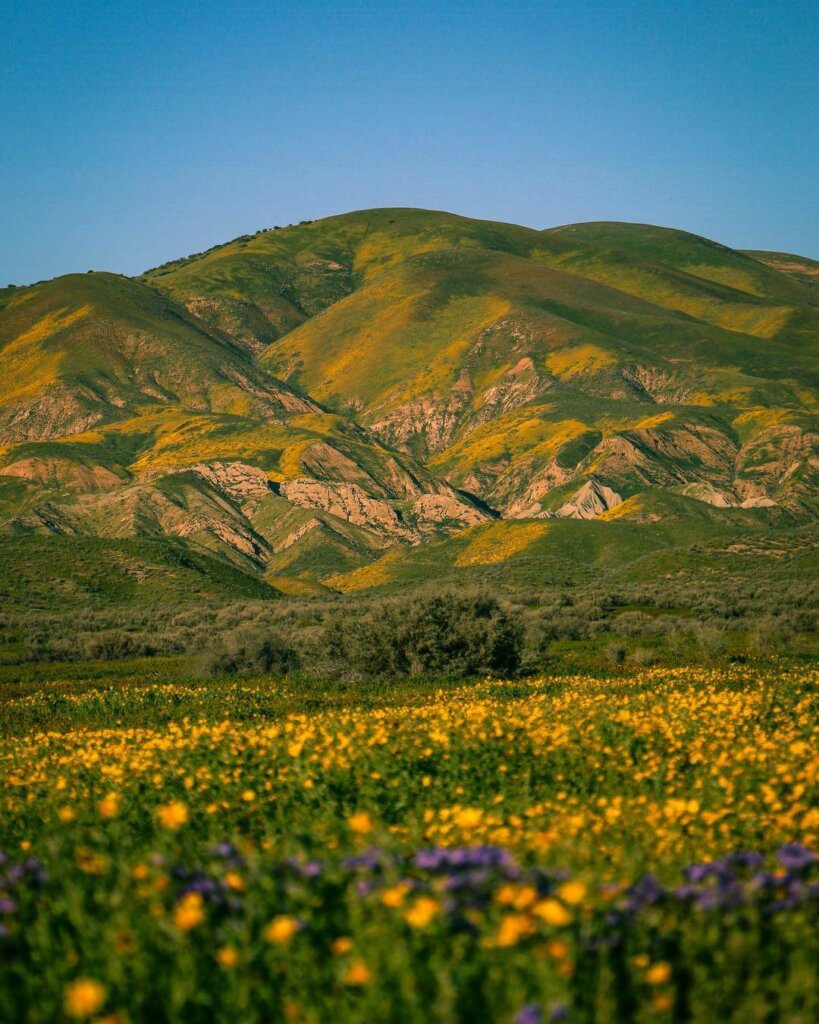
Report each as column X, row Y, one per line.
column 443, row 634
column 249, row 651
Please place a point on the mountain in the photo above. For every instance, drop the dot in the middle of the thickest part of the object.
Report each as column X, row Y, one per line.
column 300, row 400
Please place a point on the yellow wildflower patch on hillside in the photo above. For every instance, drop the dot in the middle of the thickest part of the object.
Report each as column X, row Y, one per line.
column 488, row 545
column 576, row 359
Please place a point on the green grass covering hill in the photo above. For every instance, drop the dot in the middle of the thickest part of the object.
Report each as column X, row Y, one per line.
column 52, row 572
column 293, row 401
column 93, row 348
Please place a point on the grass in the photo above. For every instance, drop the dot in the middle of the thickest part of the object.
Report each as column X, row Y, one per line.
column 256, row 850
column 47, row 572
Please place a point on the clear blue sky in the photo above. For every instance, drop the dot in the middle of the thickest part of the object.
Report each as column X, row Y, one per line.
column 132, row 133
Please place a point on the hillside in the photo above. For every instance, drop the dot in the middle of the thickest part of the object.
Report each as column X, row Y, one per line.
column 297, row 401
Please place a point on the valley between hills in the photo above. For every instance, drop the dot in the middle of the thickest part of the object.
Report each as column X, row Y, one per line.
column 393, row 396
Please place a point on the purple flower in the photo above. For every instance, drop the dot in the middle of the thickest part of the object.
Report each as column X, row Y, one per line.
column 462, row 858
column 795, row 856
column 646, row 891
column 529, row 1014
column 368, row 861
column 227, row 851
column 312, row 869
column 699, row 872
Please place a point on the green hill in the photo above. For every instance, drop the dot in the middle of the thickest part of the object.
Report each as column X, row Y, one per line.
column 329, row 399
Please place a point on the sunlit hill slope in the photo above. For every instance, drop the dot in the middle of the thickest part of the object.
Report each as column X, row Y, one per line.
column 309, row 401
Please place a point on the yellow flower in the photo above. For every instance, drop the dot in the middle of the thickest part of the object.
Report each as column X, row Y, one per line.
column 525, row 897
column 422, row 912
column 66, row 814
column 248, row 796
column 227, row 956
column 572, row 893
column 394, row 896
column 557, row 950
column 662, row 1002
column 281, row 929
column 173, row 815
column 233, row 880
column 358, row 973
column 189, row 912
column 552, row 912
column 505, row 894
column 83, row 997
column 469, row 817
column 342, row 945
column 513, row 928
column 659, row 973
column 360, row 823
column 109, row 806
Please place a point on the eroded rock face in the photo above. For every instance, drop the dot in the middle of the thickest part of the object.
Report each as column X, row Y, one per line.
column 590, row 501
column 142, row 510
column 323, row 462
column 710, row 495
column 54, row 472
column 427, row 425
column 657, row 458
column 521, row 384
column 244, row 485
column 656, row 385
column 350, row 502
column 433, row 511
column 782, row 457
column 56, row 413
column 296, row 535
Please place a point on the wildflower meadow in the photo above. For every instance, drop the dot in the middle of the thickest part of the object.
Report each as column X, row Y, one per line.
column 583, row 848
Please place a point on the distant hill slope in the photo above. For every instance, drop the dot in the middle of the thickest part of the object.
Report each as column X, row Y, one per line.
column 534, row 367
column 53, row 572
column 299, row 400
column 95, row 348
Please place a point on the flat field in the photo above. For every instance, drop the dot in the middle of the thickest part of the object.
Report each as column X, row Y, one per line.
column 620, row 848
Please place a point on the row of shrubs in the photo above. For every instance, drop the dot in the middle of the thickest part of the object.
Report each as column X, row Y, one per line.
column 443, row 635
column 429, row 632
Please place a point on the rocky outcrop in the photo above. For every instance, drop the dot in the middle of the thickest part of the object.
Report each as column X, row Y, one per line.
column 661, row 386
column 246, row 486
column 782, row 458
column 426, row 425
column 434, row 512
column 520, row 384
column 710, row 495
column 57, row 412
column 590, row 501
column 56, row 472
column 296, row 535
column 323, row 462
column 350, row 502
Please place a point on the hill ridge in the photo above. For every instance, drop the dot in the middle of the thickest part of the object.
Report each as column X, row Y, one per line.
column 393, row 375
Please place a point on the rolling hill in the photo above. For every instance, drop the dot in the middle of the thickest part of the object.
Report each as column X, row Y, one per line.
column 320, row 401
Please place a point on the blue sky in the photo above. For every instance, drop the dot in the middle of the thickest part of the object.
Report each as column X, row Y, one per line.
column 132, row 133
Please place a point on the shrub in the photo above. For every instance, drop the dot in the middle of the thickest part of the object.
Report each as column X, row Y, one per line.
column 445, row 634
column 249, row 651
column 712, row 642
column 616, row 653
